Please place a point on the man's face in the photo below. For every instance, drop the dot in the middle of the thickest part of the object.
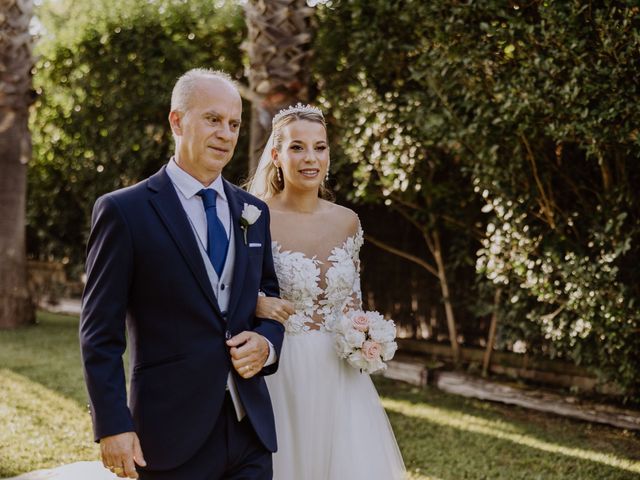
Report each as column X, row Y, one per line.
column 207, row 132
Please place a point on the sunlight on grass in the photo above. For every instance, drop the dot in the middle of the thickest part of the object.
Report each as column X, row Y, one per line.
column 47, row 353
column 490, row 428
column 40, row 428
column 417, row 476
column 44, row 422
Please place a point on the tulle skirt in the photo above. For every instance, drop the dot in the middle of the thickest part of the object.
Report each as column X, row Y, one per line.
column 329, row 420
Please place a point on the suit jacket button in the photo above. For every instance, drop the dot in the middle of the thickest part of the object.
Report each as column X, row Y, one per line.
column 222, row 286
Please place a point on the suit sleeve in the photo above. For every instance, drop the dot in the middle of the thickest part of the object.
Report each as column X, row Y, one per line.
column 103, row 319
column 272, row 330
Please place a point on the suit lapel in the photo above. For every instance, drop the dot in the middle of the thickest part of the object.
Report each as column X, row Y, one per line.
column 167, row 205
column 241, row 261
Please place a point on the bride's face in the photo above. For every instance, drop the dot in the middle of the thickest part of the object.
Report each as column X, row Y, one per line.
column 304, row 155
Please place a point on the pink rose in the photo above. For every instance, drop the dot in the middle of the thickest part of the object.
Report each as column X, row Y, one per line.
column 360, row 323
column 371, row 350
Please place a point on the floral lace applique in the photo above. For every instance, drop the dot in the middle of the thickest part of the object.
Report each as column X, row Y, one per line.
column 299, row 278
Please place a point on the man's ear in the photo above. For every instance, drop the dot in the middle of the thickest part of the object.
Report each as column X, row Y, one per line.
column 175, row 120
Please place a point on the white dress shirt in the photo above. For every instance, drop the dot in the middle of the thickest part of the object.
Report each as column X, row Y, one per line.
column 188, row 188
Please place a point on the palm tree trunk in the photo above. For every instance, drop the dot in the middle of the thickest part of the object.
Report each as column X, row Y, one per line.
column 15, row 151
column 278, row 45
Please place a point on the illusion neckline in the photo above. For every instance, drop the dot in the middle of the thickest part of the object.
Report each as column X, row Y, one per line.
column 341, row 246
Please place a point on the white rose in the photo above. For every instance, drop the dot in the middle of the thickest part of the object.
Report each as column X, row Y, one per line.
column 389, row 350
column 383, row 332
column 357, row 360
column 375, row 317
column 354, row 338
column 376, row 366
column 250, row 213
column 342, row 346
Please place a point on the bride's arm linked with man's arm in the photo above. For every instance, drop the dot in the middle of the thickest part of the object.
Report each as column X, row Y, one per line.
column 274, row 308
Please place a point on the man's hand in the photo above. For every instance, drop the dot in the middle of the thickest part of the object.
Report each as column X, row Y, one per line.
column 121, row 452
column 249, row 351
column 274, row 308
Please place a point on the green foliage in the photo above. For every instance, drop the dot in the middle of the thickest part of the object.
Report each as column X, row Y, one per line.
column 104, row 79
column 396, row 145
column 529, row 108
column 511, row 128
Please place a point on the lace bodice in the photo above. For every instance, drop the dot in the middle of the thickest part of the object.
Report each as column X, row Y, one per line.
column 317, row 303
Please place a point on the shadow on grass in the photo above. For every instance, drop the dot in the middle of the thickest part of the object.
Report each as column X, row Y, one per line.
column 450, row 437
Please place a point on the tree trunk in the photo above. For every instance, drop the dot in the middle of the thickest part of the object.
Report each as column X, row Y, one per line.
column 491, row 340
column 433, row 244
column 278, row 46
column 15, row 151
column 448, row 308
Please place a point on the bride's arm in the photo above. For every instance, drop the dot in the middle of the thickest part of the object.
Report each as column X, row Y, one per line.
column 274, row 308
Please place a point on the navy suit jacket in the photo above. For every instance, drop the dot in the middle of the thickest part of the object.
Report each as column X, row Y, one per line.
column 146, row 277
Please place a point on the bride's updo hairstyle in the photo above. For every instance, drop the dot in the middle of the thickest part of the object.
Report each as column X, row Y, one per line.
column 266, row 182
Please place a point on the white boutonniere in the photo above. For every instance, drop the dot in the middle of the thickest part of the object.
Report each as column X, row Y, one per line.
column 250, row 213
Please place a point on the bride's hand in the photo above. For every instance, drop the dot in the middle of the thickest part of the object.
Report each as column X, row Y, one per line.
column 274, row 308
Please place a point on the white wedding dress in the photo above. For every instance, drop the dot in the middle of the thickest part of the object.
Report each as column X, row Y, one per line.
column 329, row 420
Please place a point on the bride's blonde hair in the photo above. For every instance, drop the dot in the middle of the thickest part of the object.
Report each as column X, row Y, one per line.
column 264, row 183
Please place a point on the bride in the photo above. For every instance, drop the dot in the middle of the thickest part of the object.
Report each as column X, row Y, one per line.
column 329, row 420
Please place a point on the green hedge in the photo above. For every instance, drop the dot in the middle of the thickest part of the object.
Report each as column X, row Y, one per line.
column 104, row 80
column 511, row 128
column 529, row 109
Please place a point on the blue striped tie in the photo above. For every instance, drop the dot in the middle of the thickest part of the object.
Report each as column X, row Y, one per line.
column 217, row 241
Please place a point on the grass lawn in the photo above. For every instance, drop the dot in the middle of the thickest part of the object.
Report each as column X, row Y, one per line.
column 44, row 422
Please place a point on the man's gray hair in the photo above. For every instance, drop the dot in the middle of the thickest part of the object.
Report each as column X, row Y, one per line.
column 184, row 87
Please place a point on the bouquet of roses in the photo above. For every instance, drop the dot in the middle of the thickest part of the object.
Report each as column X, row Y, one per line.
column 366, row 340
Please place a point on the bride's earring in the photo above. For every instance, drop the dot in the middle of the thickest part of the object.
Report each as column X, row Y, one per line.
column 326, row 178
column 279, row 174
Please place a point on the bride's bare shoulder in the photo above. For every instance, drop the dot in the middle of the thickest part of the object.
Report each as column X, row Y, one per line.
column 345, row 218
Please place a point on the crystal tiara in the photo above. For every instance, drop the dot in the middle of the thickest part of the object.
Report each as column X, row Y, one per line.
column 297, row 108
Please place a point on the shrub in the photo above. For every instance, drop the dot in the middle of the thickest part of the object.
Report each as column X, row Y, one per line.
column 528, row 109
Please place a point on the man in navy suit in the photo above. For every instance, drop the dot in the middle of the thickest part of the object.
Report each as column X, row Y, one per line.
column 174, row 267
